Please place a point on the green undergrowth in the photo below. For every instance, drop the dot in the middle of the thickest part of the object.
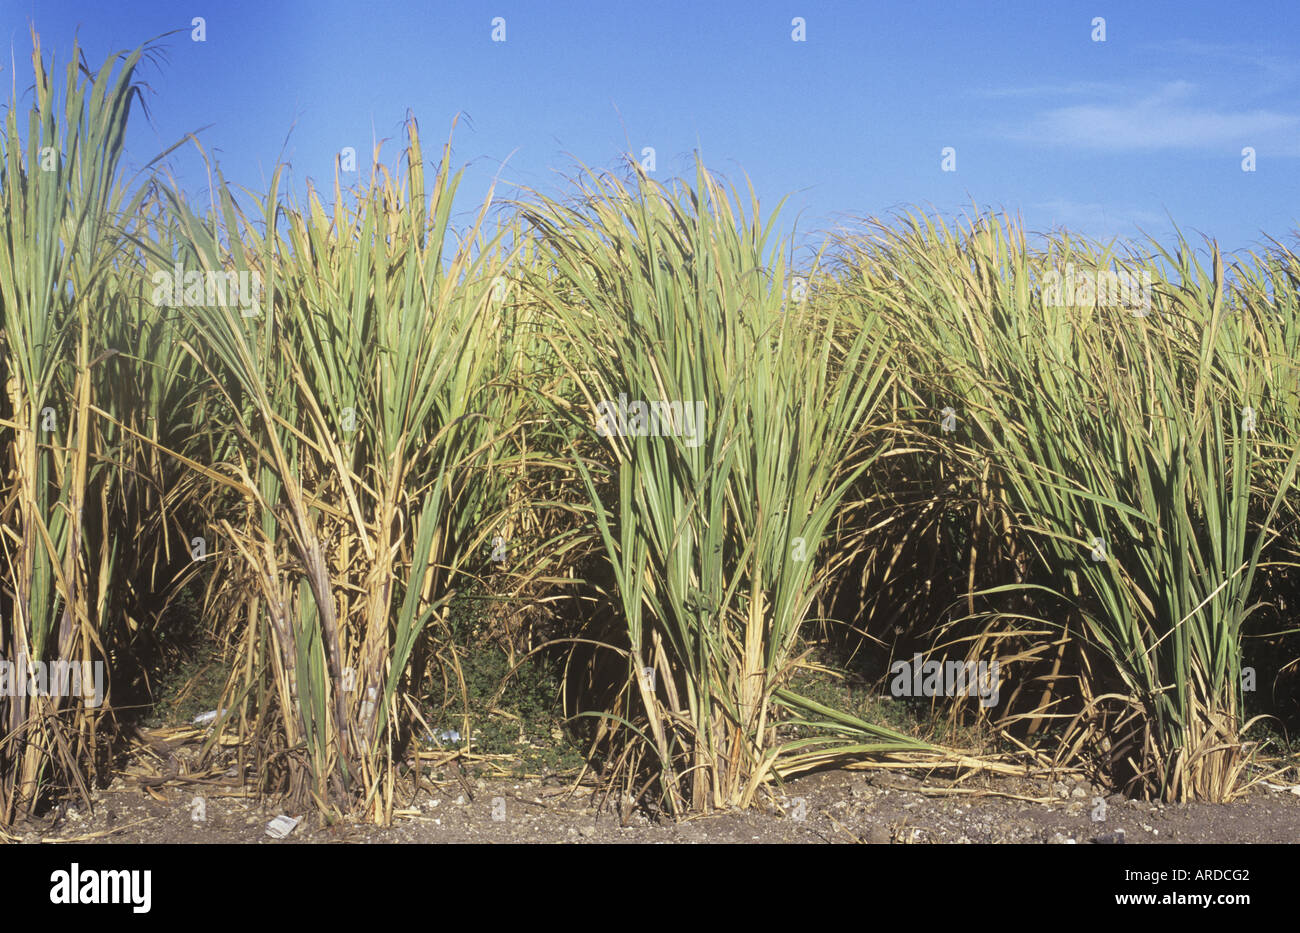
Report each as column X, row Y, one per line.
column 916, row 717
column 509, row 704
column 192, row 687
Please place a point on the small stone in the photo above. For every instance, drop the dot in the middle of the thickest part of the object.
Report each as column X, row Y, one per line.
column 1079, row 792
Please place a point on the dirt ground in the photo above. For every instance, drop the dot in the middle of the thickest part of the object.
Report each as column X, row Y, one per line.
column 831, row 807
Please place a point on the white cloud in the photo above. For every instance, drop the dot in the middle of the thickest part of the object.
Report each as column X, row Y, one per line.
column 1166, row 119
column 1245, row 59
column 1073, row 88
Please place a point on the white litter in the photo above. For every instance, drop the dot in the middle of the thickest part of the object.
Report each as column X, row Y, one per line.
column 207, row 717
column 443, row 737
column 281, row 826
column 1293, row 789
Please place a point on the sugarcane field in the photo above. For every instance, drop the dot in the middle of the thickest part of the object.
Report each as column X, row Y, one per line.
column 719, row 423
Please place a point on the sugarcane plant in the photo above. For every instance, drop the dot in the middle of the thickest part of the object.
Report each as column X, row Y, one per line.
column 1115, row 434
column 65, row 271
column 732, row 414
column 364, row 382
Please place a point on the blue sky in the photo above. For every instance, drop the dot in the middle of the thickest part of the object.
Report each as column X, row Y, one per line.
column 1100, row 137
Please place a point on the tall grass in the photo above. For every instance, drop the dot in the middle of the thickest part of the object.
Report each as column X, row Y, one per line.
column 63, row 277
column 715, row 526
column 363, row 391
column 1117, row 440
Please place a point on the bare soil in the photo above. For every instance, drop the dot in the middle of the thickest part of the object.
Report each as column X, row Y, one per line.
column 870, row 806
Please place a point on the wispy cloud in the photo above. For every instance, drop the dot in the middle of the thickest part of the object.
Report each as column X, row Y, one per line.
column 1245, row 58
column 1167, row 119
column 1069, row 89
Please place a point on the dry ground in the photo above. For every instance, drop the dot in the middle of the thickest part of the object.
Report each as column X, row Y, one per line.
column 837, row 806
